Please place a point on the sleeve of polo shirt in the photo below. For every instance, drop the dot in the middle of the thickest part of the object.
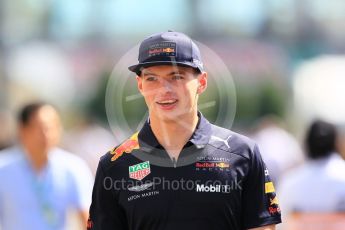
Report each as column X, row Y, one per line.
column 259, row 202
column 81, row 185
column 105, row 212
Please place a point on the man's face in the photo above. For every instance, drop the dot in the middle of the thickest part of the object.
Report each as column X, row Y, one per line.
column 171, row 91
column 43, row 130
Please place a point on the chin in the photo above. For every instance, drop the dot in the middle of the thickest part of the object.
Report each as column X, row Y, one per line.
column 166, row 117
column 170, row 116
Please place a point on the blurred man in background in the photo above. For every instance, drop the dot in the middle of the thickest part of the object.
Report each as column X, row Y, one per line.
column 319, row 185
column 279, row 149
column 40, row 182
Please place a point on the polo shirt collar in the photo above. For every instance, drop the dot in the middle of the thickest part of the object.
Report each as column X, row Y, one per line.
column 200, row 137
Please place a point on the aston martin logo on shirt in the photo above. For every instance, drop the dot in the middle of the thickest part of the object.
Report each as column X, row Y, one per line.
column 140, row 188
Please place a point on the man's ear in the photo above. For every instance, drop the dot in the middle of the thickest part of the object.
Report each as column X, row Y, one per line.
column 139, row 83
column 202, row 82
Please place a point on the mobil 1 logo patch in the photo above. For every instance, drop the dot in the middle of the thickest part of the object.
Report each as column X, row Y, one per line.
column 213, row 188
column 139, row 171
column 221, row 188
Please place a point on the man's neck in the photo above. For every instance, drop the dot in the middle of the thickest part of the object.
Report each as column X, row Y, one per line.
column 174, row 134
column 38, row 159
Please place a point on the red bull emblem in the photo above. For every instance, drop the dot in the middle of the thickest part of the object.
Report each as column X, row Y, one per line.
column 212, row 165
column 168, row 50
column 126, row 147
column 223, row 165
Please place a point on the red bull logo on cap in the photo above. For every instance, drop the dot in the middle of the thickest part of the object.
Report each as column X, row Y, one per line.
column 126, row 147
column 168, row 50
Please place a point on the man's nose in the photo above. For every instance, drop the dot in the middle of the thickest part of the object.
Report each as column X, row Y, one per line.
column 166, row 85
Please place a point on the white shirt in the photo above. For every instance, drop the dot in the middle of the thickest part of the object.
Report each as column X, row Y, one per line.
column 316, row 186
column 31, row 201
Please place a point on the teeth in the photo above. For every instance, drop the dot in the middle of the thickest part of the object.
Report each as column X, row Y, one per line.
column 167, row 101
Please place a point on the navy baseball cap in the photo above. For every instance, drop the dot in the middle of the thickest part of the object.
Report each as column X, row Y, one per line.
column 168, row 48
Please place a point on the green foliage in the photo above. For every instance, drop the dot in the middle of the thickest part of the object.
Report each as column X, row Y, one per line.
column 256, row 101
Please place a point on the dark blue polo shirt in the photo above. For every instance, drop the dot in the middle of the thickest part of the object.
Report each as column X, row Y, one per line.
column 218, row 182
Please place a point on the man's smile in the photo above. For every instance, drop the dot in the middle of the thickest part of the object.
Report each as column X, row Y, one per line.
column 167, row 104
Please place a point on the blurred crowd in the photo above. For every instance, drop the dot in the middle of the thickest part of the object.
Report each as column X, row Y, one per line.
column 310, row 176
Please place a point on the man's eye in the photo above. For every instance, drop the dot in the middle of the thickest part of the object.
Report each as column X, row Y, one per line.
column 177, row 77
column 151, row 78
